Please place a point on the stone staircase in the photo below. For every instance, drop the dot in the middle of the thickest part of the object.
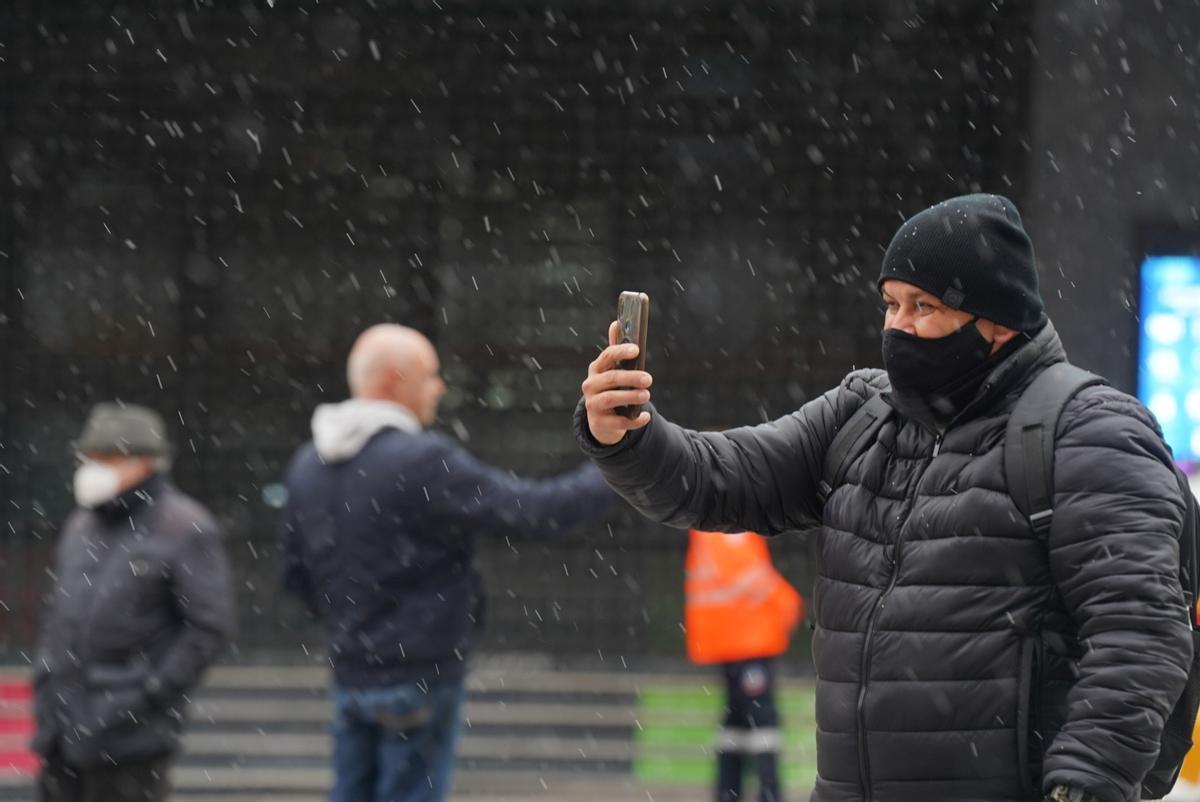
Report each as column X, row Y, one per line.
column 260, row 733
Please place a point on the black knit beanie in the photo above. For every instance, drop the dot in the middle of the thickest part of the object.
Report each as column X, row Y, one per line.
column 973, row 254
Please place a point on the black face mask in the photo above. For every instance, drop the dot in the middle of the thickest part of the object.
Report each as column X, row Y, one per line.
column 932, row 368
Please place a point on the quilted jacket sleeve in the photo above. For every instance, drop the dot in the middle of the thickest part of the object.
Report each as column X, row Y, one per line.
column 1114, row 554
column 763, row 478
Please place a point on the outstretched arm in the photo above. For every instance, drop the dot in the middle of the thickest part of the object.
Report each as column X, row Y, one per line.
column 762, row 478
column 469, row 497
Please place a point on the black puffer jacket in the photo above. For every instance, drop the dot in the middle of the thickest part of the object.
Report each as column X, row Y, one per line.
column 958, row 656
column 142, row 603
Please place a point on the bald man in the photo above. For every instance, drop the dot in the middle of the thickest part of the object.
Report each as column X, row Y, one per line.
column 379, row 541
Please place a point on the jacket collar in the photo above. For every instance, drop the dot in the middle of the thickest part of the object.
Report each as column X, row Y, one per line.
column 1007, row 381
column 1013, row 375
column 145, row 493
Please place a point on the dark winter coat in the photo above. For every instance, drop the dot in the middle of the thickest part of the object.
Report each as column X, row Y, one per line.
column 380, row 531
column 958, row 656
column 142, row 603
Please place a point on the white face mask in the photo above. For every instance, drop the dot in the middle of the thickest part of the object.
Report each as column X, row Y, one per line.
column 96, row 483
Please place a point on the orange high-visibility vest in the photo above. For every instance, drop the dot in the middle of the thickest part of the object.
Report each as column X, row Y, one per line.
column 738, row 606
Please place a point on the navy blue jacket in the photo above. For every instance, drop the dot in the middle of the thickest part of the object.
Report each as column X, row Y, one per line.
column 381, row 547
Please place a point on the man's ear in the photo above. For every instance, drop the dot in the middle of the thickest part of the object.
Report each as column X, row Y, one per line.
column 1001, row 336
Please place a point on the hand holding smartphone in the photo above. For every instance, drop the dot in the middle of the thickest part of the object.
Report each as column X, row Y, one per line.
column 617, row 385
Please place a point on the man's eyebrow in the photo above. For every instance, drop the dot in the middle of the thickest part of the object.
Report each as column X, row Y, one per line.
column 915, row 294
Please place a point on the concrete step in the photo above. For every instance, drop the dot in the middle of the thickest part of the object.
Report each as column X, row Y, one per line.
column 479, row 679
column 549, row 788
column 471, row 748
column 212, row 708
column 317, row 747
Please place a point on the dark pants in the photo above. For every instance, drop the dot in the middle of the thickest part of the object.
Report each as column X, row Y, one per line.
column 139, row 781
column 750, row 736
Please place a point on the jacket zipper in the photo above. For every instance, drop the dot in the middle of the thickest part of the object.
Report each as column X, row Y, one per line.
column 864, row 762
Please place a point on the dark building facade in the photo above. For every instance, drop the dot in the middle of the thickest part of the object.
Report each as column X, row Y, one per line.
column 205, row 202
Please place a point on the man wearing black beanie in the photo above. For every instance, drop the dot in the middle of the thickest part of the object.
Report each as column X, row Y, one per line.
column 989, row 627
column 968, row 255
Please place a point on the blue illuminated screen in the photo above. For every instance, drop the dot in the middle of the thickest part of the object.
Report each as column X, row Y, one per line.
column 1169, row 350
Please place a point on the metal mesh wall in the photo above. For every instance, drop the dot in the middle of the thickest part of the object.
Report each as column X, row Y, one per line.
column 207, row 201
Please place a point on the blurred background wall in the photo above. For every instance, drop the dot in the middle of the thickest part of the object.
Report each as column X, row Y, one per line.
column 206, row 201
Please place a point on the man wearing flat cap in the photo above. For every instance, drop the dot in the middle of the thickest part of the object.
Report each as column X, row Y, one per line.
column 141, row 605
column 975, row 641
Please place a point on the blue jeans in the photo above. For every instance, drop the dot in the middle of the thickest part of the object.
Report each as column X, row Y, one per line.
column 395, row 744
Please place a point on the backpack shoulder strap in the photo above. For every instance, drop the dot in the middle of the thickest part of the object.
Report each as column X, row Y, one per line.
column 1029, row 440
column 852, row 439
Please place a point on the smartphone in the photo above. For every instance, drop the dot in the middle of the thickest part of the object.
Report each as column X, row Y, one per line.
column 633, row 319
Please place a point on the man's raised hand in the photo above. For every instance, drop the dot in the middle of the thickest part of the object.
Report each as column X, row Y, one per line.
column 607, row 387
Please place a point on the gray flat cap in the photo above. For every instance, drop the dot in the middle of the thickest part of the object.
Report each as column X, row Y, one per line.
column 124, row 429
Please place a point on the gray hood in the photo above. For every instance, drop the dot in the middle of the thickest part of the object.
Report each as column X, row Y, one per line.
column 341, row 430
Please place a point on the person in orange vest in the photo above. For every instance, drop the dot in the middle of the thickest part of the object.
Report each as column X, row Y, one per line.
column 739, row 613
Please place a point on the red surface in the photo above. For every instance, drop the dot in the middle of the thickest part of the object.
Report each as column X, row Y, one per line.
column 18, row 763
column 16, row 726
column 15, row 691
